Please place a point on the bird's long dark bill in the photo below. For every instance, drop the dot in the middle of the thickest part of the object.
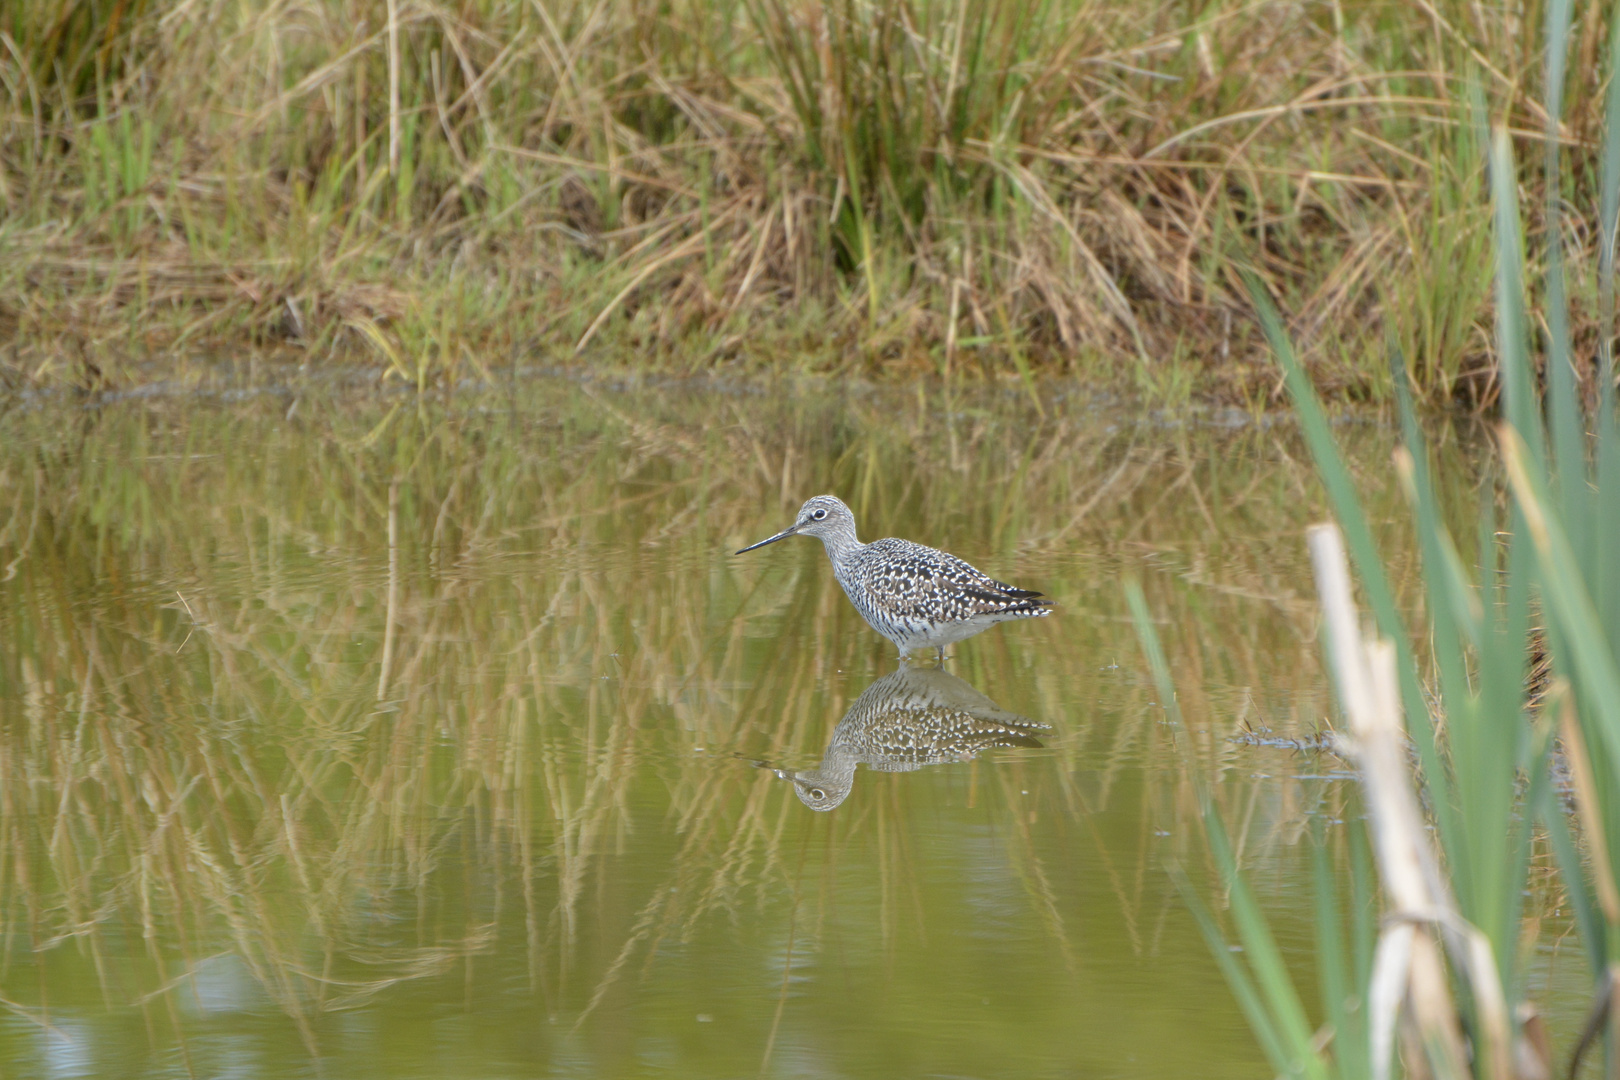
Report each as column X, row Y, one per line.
column 783, row 535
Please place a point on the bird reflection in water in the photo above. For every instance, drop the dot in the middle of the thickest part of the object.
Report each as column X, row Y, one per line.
column 917, row 716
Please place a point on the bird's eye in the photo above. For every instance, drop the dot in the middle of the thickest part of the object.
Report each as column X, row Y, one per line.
column 819, row 514
column 817, row 793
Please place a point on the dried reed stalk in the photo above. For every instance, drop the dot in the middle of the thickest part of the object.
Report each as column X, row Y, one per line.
column 1409, row 967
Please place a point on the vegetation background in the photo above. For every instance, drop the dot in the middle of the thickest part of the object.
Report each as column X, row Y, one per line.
column 884, row 186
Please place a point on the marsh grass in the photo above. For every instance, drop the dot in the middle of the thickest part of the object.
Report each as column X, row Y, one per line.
column 885, row 186
column 1447, row 968
column 205, row 751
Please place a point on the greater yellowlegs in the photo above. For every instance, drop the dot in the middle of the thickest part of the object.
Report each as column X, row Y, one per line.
column 918, row 597
column 917, row 716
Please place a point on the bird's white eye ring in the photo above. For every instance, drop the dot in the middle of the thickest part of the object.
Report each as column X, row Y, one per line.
column 817, row 793
column 819, row 514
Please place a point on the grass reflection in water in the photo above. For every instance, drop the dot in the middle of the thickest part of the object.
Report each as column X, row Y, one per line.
column 417, row 738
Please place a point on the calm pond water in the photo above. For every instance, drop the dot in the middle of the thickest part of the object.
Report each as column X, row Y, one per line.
column 359, row 735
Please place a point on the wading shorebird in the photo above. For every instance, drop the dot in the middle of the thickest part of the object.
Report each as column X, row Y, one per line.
column 918, row 597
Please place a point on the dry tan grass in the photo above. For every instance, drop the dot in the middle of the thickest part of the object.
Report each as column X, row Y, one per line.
column 890, row 186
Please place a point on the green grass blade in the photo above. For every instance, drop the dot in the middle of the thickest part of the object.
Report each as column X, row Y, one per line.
column 1157, row 664
column 1572, row 867
column 1364, row 911
column 1606, row 511
column 1557, row 31
column 1608, row 216
column 1264, row 957
column 1248, row 998
column 1273, row 1006
column 1454, row 608
column 1342, row 1004
column 1487, row 749
column 1606, row 519
column 1519, row 846
column 1512, row 344
column 1568, row 601
column 1563, row 408
column 1363, row 551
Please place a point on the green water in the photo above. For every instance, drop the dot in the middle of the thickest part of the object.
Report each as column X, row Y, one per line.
column 352, row 735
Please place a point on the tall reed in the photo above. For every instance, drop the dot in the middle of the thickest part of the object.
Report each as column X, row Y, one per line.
column 1540, row 608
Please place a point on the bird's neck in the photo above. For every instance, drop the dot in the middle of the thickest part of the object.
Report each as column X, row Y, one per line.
column 841, row 544
column 837, row 768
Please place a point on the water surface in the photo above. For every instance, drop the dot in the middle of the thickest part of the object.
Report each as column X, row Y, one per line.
column 359, row 735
